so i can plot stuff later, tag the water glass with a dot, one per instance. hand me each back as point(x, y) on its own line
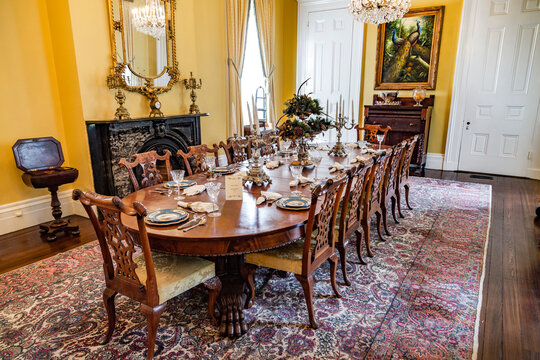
point(296, 171)
point(178, 176)
point(380, 138)
point(213, 189)
point(316, 158)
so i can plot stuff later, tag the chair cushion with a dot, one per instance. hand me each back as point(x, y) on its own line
point(175, 274)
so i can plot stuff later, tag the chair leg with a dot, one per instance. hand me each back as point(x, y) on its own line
point(393, 198)
point(398, 195)
point(152, 319)
point(214, 288)
point(307, 285)
point(358, 234)
point(379, 216)
point(333, 270)
point(343, 259)
point(108, 299)
point(384, 212)
point(248, 273)
point(365, 227)
point(407, 196)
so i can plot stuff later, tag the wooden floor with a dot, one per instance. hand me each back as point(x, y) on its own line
point(510, 318)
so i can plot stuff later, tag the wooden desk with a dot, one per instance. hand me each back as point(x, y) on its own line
point(242, 228)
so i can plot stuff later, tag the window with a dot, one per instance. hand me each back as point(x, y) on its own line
point(253, 82)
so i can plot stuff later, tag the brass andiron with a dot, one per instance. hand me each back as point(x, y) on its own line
point(342, 122)
point(191, 84)
point(256, 173)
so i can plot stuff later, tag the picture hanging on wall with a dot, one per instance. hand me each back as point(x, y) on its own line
point(408, 50)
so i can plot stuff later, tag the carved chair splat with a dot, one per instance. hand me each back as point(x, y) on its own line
point(309, 254)
point(236, 150)
point(351, 214)
point(141, 277)
point(390, 183)
point(150, 173)
point(370, 132)
point(194, 159)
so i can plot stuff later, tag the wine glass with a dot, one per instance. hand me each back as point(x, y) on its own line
point(213, 188)
point(178, 176)
point(316, 158)
point(286, 144)
point(380, 138)
point(296, 171)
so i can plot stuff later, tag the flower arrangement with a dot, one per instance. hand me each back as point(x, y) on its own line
point(303, 117)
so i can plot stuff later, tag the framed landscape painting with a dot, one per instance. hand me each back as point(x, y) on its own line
point(408, 50)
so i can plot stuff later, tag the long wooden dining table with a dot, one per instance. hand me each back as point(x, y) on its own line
point(242, 228)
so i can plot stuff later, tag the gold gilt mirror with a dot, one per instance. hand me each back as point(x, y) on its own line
point(143, 48)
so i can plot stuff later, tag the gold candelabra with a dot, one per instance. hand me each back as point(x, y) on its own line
point(192, 84)
point(342, 122)
point(115, 81)
point(256, 173)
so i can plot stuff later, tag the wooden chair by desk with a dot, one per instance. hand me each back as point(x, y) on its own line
point(194, 159)
point(150, 173)
point(350, 215)
point(149, 278)
point(303, 257)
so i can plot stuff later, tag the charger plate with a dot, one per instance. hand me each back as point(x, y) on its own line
point(166, 217)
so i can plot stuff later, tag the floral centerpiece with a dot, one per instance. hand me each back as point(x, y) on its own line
point(302, 118)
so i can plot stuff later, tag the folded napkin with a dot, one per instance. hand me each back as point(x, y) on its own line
point(198, 206)
point(378, 152)
point(362, 159)
point(242, 173)
point(300, 180)
point(352, 145)
point(336, 167)
point(268, 195)
point(194, 190)
point(323, 147)
point(273, 164)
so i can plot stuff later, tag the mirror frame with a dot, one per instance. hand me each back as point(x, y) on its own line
point(115, 80)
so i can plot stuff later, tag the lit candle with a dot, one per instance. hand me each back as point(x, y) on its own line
point(233, 119)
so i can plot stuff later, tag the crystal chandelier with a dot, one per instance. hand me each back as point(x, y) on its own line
point(150, 19)
point(379, 11)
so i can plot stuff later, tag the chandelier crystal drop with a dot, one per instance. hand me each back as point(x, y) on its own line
point(379, 11)
point(150, 19)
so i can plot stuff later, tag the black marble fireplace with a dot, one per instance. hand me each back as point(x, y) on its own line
point(112, 140)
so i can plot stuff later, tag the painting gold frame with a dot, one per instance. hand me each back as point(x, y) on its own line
point(383, 84)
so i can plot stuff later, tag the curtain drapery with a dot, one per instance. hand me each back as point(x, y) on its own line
point(264, 11)
point(237, 15)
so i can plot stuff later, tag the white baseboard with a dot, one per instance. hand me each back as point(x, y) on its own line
point(533, 173)
point(434, 161)
point(22, 214)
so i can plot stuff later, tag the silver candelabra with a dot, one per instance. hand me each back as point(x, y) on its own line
point(342, 122)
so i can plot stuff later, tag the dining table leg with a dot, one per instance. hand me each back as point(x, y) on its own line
point(233, 296)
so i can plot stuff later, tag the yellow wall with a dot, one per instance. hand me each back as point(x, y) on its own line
point(445, 73)
point(56, 59)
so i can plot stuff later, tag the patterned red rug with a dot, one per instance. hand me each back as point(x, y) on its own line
point(416, 299)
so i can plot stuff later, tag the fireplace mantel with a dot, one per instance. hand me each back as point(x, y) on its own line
point(111, 140)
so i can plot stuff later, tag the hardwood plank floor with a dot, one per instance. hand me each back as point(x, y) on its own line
point(510, 318)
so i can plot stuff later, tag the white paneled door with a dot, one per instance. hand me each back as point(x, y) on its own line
point(330, 55)
point(503, 92)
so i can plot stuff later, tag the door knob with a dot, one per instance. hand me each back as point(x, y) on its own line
point(467, 127)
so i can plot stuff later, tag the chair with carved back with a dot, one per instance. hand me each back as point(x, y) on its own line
point(150, 278)
point(373, 197)
point(150, 174)
point(303, 257)
point(370, 132)
point(390, 183)
point(195, 158)
point(403, 178)
point(350, 214)
point(269, 146)
point(236, 150)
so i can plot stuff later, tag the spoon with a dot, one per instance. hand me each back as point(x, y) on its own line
point(201, 222)
point(195, 219)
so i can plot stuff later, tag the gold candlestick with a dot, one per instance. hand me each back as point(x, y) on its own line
point(256, 173)
point(192, 84)
point(341, 122)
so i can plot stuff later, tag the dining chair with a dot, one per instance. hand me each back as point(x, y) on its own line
point(390, 183)
point(373, 197)
point(149, 174)
point(269, 146)
point(148, 277)
point(236, 150)
point(303, 257)
point(195, 158)
point(370, 132)
point(350, 213)
point(403, 178)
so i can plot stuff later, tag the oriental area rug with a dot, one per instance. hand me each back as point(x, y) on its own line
point(418, 298)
